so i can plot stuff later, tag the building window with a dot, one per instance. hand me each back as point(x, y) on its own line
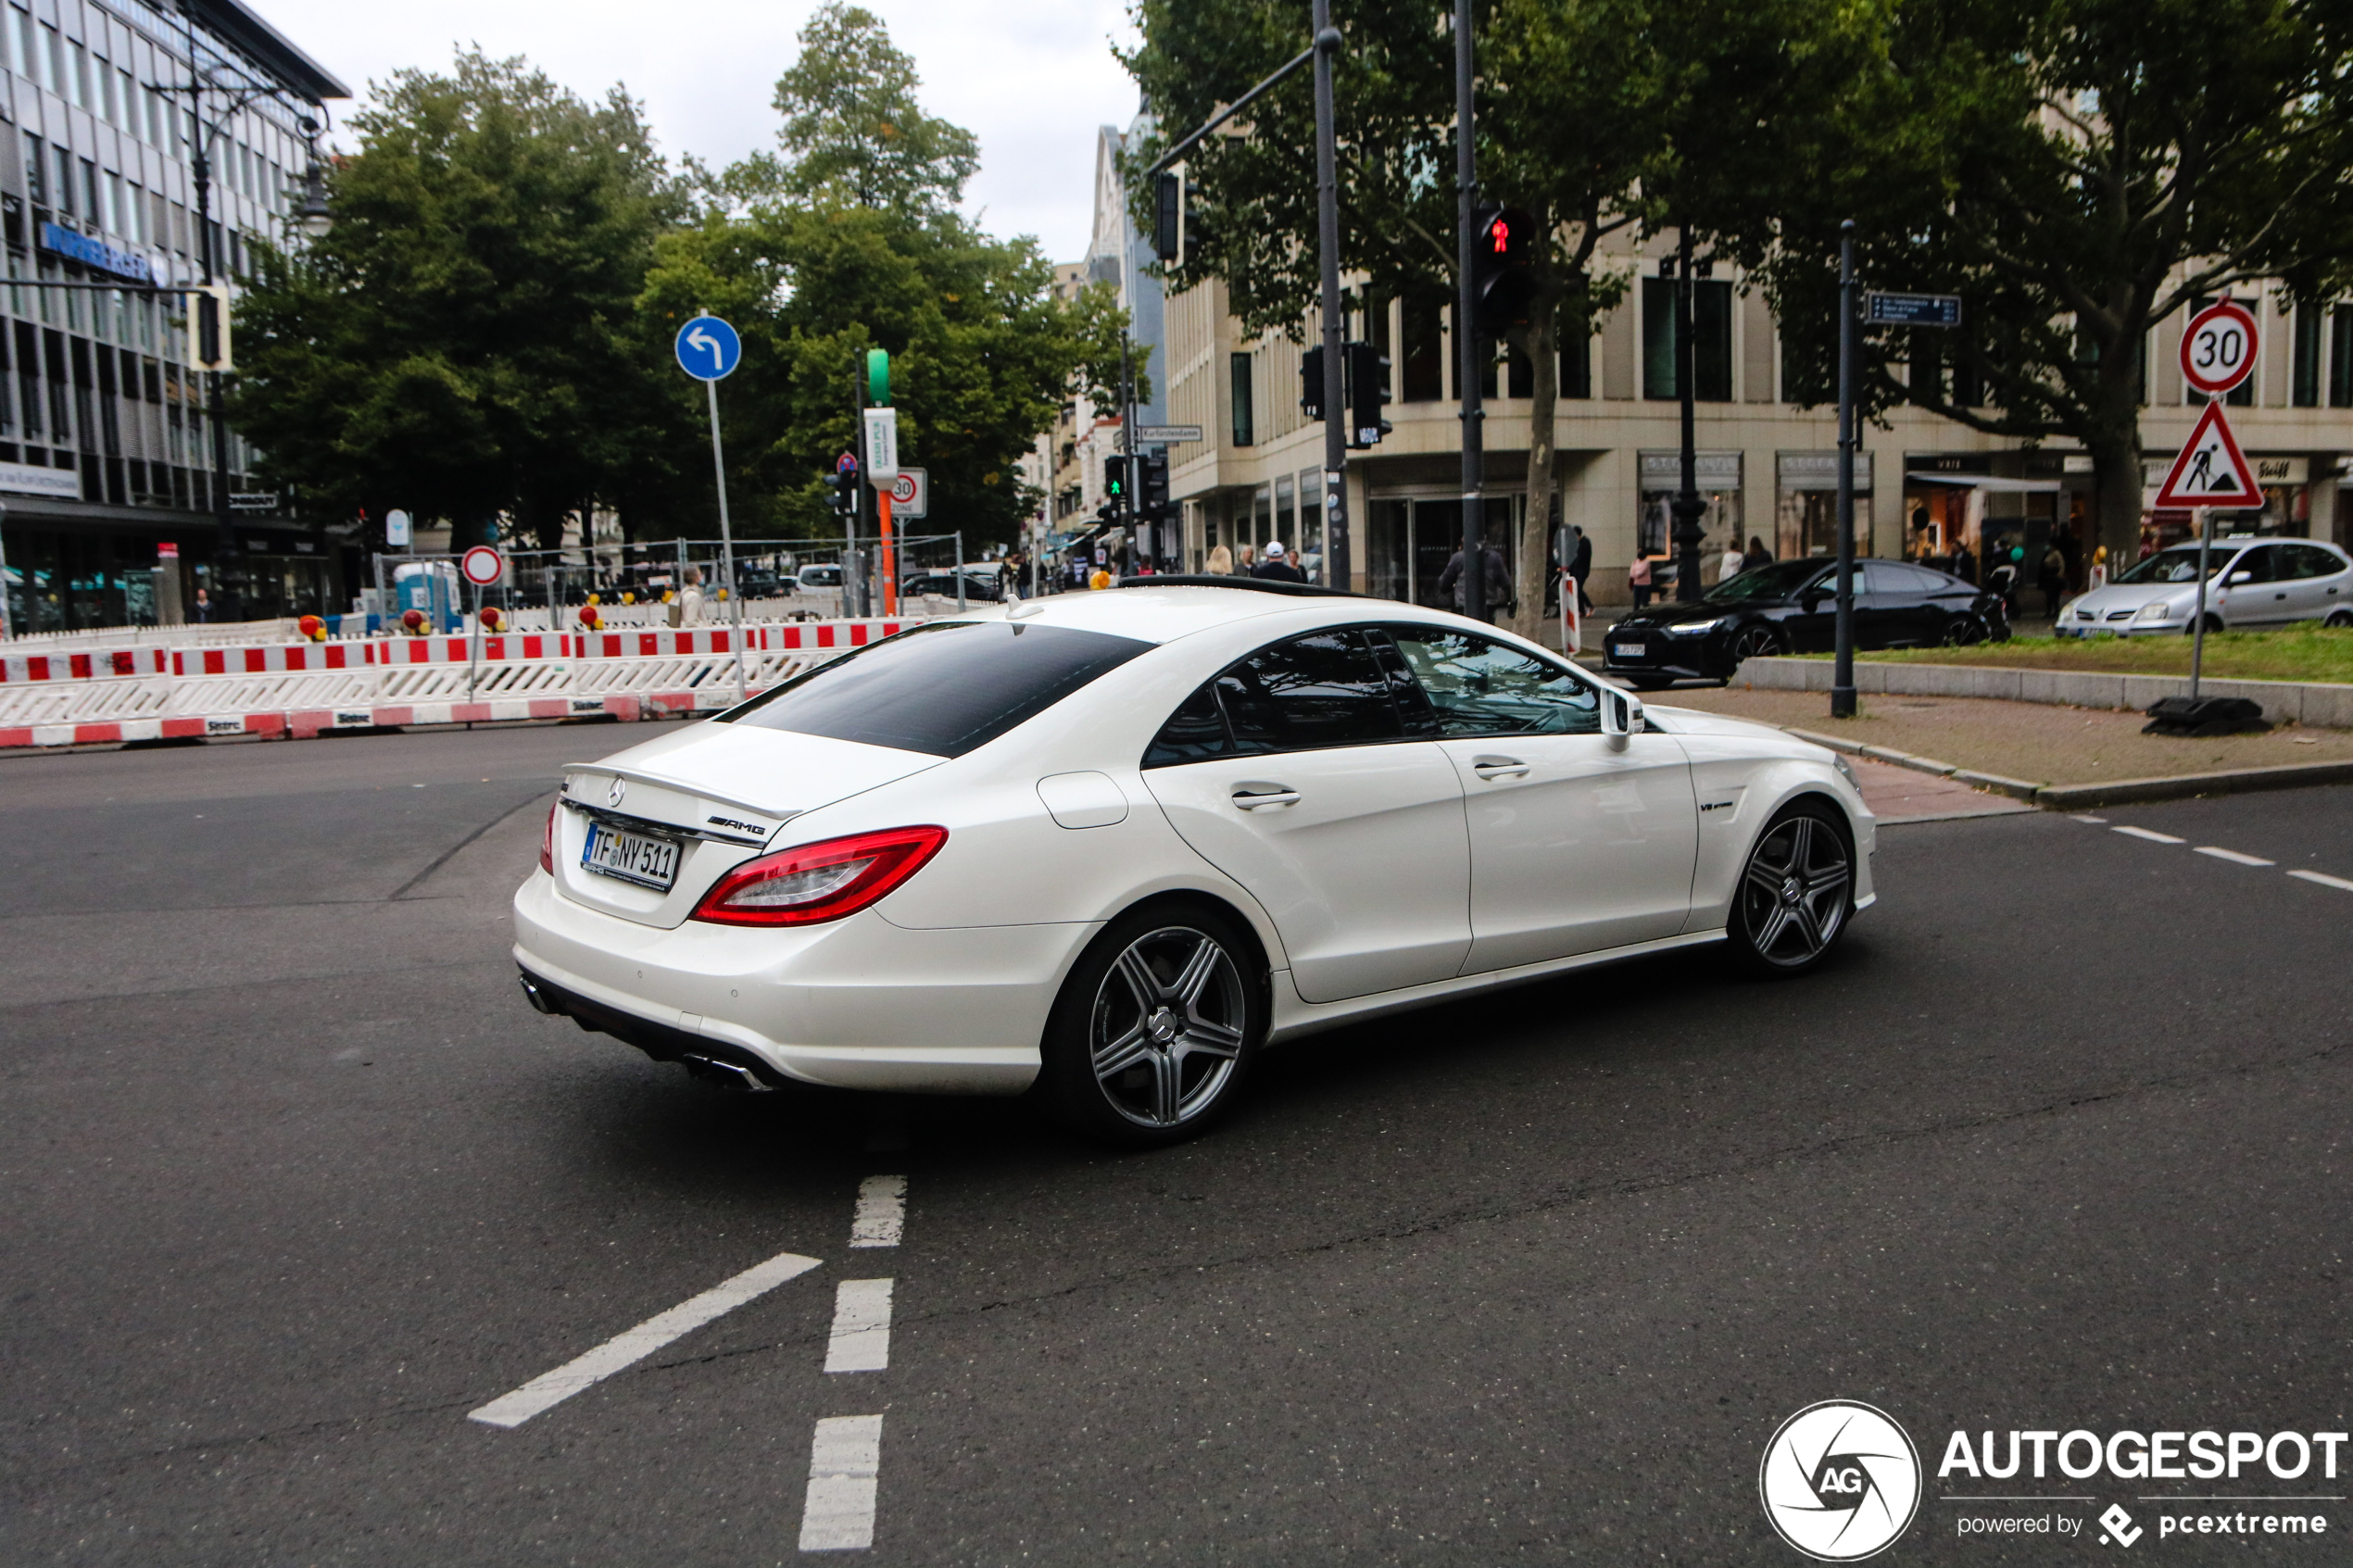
point(1245, 415)
point(2305, 385)
point(2341, 356)
point(1424, 377)
point(1711, 340)
point(1577, 365)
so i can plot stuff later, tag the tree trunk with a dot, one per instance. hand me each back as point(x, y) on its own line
point(2115, 466)
point(1529, 571)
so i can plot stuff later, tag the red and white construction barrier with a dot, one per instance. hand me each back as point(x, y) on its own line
point(98, 664)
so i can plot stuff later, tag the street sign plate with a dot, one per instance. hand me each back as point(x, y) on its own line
point(911, 493)
point(707, 348)
point(253, 500)
point(882, 447)
point(2218, 349)
point(1170, 435)
point(1912, 310)
point(482, 566)
point(396, 527)
point(2212, 471)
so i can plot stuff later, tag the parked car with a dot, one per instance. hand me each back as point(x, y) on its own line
point(982, 587)
point(2251, 582)
point(1122, 841)
point(1792, 607)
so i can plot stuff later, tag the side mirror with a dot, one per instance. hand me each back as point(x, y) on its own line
point(2237, 578)
point(1621, 714)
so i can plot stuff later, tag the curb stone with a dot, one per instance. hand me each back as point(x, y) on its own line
point(2109, 792)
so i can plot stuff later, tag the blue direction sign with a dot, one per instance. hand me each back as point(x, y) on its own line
point(1912, 310)
point(707, 348)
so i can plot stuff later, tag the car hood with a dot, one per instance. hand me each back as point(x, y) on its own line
point(774, 773)
point(1699, 722)
point(1679, 614)
point(2132, 595)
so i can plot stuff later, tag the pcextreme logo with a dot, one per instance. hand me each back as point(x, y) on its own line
point(1841, 1481)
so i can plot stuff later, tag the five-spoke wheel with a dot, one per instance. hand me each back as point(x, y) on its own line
point(1795, 892)
point(1154, 1027)
point(1754, 642)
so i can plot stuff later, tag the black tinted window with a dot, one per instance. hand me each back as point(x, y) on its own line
point(2313, 561)
point(2261, 564)
point(1193, 733)
point(944, 688)
point(1481, 688)
point(1319, 690)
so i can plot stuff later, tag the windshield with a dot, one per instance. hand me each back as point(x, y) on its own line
point(1777, 580)
point(821, 576)
point(944, 688)
point(2176, 565)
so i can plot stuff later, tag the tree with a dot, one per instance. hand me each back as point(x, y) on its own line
point(848, 240)
point(2077, 171)
point(463, 342)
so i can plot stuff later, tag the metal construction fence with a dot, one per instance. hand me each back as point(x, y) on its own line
point(297, 689)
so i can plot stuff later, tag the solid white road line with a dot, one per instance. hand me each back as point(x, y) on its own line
point(844, 1461)
point(2152, 838)
point(2234, 857)
point(882, 1212)
point(552, 1388)
point(2324, 880)
point(861, 1326)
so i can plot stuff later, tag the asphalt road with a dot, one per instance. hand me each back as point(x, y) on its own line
point(294, 1182)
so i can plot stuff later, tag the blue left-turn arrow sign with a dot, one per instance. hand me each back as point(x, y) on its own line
point(707, 348)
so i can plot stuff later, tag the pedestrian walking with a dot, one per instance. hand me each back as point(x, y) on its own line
point(1244, 558)
point(2052, 578)
point(1278, 567)
point(690, 603)
point(1581, 566)
point(1733, 563)
point(203, 611)
point(1499, 588)
point(1220, 562)
point(1638, 577)
point(1757, 556)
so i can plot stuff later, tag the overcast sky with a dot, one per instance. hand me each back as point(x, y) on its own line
point(1032, 79)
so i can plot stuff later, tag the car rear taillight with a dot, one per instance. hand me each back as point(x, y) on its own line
point(819, 882)
point(547, 841)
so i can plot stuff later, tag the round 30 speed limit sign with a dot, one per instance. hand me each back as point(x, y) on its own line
point(2217, 351)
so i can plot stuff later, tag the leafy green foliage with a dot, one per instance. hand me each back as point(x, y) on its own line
point(464, 341)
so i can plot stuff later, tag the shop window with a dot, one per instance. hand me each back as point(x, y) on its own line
point(1424, 370)
point(2341, 356)
point(1711, 340)
point(1245, 415)
point(2304, 389)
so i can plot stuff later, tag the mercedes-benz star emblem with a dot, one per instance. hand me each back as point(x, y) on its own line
point(619, 787)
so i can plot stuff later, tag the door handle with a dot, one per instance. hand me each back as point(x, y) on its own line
point(1250, 800)
point(1499, 767)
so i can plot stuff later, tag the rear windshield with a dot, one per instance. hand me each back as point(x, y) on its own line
point(943, 689)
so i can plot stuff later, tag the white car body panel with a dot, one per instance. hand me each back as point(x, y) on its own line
point(1054, 829)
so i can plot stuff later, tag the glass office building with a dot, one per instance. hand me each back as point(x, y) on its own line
point(106, 446)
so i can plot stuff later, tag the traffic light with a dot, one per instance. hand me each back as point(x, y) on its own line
point(209, 328)
point(1367, 391)
point(1504, 240)
point(1115, 479)
point(844, 480)
point(1152, 484)
point(1311, 382)
point(1168, 216)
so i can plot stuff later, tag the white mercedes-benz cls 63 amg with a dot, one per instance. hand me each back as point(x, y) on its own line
point(1112, 845)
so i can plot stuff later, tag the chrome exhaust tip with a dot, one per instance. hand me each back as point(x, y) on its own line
point(538, 998)
point(727, 1074)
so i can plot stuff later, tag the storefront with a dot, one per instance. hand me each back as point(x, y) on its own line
point(1409, 539)
point(1717, 476)
point(2286, 484)
point(1805, 504)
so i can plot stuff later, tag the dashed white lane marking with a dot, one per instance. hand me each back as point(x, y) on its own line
point(882, 1212)
point(2152, 838)
point(861, 1326)
point(2324, 880)
point(844, 1463)
point(2234, 857)
point(2096, 821)
point(551, 1389)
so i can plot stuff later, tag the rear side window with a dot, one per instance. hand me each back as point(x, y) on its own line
point(944, 689)
point(2313, 561)
point(1307, 694)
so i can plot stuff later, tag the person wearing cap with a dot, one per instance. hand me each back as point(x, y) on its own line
point(1276, 567)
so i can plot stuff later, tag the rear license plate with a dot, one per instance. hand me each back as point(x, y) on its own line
point(1631, 650)
point(632, 857)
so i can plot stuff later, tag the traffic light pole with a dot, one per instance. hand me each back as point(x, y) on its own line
point(1336, 410)
point(1687, 508)
point(1842, 670)
point(1474, 578)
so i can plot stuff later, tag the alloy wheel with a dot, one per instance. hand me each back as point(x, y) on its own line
point(1754, 641)
point(1964, 631)
point(1166, 1027)
point(1795, 893)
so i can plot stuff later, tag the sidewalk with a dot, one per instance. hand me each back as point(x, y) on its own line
point(2019, 740)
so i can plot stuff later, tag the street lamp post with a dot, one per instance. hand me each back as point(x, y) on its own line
point(1687, 508)
point(1335, 498)
point(1474, 578)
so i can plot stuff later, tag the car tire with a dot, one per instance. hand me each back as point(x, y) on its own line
point(1648, 682)
point(1156, 1028)
point(1965, 631)
point(1797, 892)
point(2339, 618)
point(1757, 641)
